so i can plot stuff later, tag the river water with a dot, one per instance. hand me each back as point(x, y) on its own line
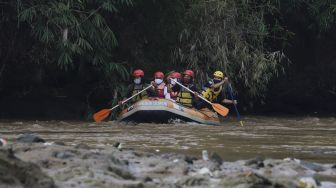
point(308, 138)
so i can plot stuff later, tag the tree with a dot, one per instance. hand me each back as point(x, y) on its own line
point(230, 36)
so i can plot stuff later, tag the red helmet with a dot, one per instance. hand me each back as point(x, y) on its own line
point(159, 74)
point(138, 73)
point(189, 72)
point(175, 75)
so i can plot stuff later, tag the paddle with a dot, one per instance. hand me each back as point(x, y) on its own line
point(102, 114)
point(235, 106)
point(217, 107)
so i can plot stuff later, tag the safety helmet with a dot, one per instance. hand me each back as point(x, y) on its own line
point(219, 74)
point(189, 72)
point(158, 74)
point(175, 75)
point(138, 72)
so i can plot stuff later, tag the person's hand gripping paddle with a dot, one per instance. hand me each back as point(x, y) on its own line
point(217, 107)
point(104, 113)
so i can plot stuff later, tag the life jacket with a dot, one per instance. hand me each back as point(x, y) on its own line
point(136, 89)
point(184, 97)
point(173, 94)
point(212, 93)
point(160, 90)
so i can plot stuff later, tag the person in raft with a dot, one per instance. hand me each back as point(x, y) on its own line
point(175, 76)
point(160, 88)
point(213, 91)
point(137, 85)
point(184, 97)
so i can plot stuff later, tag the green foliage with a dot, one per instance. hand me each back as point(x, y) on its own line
point(96, 43)
point(319, 15)
point(71, 33)
point(70, 29)
point(229, 36)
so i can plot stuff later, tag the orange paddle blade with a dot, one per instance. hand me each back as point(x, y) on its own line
point(101, 115)
point(220, 109)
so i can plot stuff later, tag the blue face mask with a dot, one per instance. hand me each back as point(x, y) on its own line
point(158, 81)
point(137, 80)
point(216, 80)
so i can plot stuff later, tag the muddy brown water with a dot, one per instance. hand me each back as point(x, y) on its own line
point(308, 138)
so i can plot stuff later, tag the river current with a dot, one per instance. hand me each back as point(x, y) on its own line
point(308, 138)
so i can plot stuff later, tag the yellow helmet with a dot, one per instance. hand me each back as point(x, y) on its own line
point(219, 74)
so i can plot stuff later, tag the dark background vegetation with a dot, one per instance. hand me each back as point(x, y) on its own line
point(68, 59)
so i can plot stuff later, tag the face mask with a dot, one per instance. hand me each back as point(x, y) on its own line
point(158, 81)
point(173, 81)
point(215, 80)
point(137, 80)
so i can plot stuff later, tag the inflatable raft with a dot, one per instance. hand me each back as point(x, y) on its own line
point(162, 111)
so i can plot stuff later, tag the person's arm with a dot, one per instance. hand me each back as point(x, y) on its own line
point(197, 92)
point(220, 97)
point(193, 88)
point(166, 93)
point(226, 95)
point(224, 81)
point(218, 84)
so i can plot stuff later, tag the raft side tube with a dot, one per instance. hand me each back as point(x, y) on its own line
point(161, 111)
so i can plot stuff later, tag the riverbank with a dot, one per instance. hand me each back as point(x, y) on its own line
point(55, 164)
point(307, 138)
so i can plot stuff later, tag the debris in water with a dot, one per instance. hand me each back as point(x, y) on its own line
point(292, 159)
point(3, 142)
point(116, 144)
point(120, 146)
point(205, 155)
point(216, 158)
point(48, 143)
